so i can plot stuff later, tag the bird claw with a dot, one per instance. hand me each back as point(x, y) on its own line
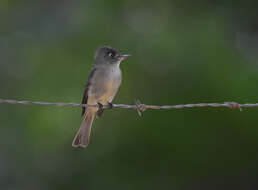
point(110, 105)
point(100, 110)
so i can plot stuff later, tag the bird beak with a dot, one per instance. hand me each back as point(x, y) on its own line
point(125, 56)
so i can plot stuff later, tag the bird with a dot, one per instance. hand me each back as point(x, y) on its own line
point(101, 87)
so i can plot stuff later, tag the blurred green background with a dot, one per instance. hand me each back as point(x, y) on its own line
point(183, 52)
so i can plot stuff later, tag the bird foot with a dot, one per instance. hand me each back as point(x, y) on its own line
point(110, 105)
point(100, 110)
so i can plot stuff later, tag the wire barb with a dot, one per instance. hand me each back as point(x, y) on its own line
point(234, 105)
point(139, 107)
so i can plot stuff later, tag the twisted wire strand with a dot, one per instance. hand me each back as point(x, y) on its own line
point(138, 105)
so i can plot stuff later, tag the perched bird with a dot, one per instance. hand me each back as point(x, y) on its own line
point(101, 88)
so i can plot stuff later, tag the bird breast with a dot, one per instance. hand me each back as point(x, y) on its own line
point(105, 84)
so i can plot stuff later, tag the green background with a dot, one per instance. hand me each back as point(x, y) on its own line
point(183, 52)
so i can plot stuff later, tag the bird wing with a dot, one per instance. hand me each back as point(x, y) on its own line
point(86, 90)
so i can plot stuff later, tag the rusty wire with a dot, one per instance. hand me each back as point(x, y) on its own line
point(138, 105)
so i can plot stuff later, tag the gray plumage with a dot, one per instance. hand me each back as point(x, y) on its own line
point(101, 87)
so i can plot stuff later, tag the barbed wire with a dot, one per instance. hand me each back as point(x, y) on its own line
point(138, 105)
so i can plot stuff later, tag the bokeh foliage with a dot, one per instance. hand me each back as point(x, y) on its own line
point(183, 52)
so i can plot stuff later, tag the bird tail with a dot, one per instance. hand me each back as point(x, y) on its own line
point(82, 137)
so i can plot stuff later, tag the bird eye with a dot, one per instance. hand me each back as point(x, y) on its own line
point(111, 54)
